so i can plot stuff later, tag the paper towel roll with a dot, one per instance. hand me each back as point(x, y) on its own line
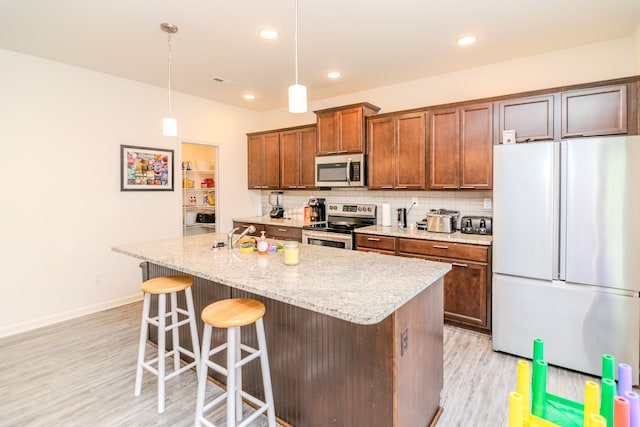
point(386, 215)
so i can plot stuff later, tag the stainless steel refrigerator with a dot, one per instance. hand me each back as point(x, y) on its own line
point(566, 251)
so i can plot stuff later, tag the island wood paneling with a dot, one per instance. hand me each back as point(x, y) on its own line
point(330, 372)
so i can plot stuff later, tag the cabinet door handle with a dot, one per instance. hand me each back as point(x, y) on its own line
point(386, 188)
point(440, 247)
point(284, 230)
point(456, 264)
point(401, 188)
point(467, 188)
point(373, 239)
point(342, 151)
point(450, 188)
point(245, 226)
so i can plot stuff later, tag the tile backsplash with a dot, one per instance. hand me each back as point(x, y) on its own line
point(467, 202)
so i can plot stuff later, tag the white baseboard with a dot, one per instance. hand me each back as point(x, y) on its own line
point(72, 314)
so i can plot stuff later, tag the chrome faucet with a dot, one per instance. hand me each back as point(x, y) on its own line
point(232, 241)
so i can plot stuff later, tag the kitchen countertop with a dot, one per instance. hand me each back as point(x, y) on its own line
point(358, 287)
point(457, 237)
point(296, 221)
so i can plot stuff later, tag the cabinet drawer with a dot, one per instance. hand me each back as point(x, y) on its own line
point(284, 233)
point(444, 249)
point(376, 242)
point(243, 225)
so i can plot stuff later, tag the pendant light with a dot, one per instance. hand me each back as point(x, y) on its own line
point(297, 92)
point(169, 124)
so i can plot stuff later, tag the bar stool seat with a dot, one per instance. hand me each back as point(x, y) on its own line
point(163, 286)
point(232, 314)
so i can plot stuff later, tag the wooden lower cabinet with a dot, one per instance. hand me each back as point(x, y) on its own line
point(243, 225)
point(272, 231)
point(467, 287)
point(374, 243)
point(284, 233)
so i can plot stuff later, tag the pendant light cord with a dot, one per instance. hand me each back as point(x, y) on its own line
point(295, 37)
point(169, 67)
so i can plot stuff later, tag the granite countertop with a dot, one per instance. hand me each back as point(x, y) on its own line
point(457, 237)
point(358, 287)
point(295, 221)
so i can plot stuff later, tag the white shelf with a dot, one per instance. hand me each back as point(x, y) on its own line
point(200, 189)
point(211, 225)
point(200, 207)
point(209, 171)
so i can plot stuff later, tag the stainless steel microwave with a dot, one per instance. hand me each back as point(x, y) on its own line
point(344, 170)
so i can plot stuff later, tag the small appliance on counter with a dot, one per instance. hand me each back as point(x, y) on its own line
point(439, 221)
point(277, 208)
point(402, 218)
point(318, 209)
point(476, 225)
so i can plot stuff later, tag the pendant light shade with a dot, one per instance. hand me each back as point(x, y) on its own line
point(297, 99)
point(169, 124)
point(297, 92)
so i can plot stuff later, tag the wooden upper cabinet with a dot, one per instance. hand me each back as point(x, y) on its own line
point(342, 130)
point(397, 152)
point(308, 138)
point(476, 147)
point(461, 148)
point(532, 118)
point(595, 111)
point(381, 161)
point(297, 158)
point(410, 151)
point(262, 155)
point(444, 149)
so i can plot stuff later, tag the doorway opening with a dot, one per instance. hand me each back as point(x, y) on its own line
point(199, 183)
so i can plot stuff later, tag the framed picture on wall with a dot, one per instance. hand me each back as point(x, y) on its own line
point(145, 169)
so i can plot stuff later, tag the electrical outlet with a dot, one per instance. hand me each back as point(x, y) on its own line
point(414, 201)
point(404, 342)
point(487, 203)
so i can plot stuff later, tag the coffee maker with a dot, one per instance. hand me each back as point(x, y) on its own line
point(275, 200)
point(318, 209)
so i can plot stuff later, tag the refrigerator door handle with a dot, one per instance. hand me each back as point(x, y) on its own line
point(560, 254)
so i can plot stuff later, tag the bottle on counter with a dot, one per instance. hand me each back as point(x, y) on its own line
point(263, 245)
point(291, 253)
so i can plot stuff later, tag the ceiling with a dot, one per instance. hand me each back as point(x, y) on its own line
point(372, 43)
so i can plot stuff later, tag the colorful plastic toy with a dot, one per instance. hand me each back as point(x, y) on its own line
point(532, 406)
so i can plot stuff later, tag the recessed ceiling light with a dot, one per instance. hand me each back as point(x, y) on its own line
point(249, 96)
point(465, 41)
point(269, 33)
point(333, 75)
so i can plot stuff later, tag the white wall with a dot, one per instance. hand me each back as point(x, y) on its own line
point(636, 49)
point(61, 206)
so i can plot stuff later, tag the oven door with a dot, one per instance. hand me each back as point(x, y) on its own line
point(323, 238)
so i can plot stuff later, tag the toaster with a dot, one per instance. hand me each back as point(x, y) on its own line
point(476, 225)
point(442, 220)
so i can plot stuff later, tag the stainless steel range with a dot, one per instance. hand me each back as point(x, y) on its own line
point(337, 230)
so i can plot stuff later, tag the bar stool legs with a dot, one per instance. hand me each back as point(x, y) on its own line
point(162, 286)
point(231, 314)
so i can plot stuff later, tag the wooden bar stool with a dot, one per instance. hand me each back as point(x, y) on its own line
point(232, 314)
point(162, 286)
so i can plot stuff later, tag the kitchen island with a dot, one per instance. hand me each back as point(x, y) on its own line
point(355, 339)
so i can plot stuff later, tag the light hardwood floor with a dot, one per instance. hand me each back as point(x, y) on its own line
point(82, 373)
